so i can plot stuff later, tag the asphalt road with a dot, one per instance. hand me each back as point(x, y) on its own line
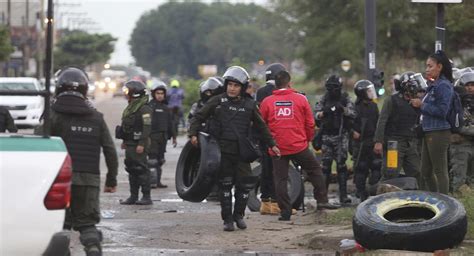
point(173, 227)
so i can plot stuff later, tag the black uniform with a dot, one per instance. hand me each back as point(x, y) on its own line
point(225, 113)
point(161, 130)
point(6, 121)
point(85, 133)
point(266, 181)
point(365, 159)
point(396, 123)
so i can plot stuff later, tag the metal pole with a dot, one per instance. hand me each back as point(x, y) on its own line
point(440, 28)
point(47, 68)
point(370, 39)
point(9, 11)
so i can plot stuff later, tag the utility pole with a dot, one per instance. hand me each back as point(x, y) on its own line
point(9, 13)
point(370, 39)
point(440, 28)
point(47, 64)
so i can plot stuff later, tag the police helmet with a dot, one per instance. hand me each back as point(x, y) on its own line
point(334, 82)
point(236, 74)
point(134, 89)
point(158, 85)
point(272, 70)
point(410, 83)
point(365, 89)
point(212, 86)
point(72, 79)
point(465, 79)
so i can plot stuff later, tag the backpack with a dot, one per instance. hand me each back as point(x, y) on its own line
point(455, 113)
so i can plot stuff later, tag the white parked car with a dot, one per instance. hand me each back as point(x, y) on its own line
point(25, 110)
point(34, 192)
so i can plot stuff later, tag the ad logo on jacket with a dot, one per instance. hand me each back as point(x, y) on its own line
point(283, 110)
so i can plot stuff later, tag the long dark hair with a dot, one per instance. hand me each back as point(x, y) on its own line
point(440, 57)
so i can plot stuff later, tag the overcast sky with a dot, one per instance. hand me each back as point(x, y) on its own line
point(117, 17)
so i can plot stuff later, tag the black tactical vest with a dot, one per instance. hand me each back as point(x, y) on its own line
point(82, 138)
point(237, 114)
point(3, 123)
point(332, 122)
point(132, 124)
point(402, 119)
point(160, 117)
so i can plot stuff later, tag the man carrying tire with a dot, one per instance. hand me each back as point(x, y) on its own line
point(231, 116)
point(290, 119)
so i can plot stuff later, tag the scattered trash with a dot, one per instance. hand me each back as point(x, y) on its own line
point(349, 246)
point(107, 214)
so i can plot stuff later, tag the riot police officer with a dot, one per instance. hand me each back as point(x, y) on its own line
point(161, 130)
point(334, 115)
point(396, 123)
point(269, 203)
point(461, 150)
point(207, 89)
point(365, 123)
point(85, 132)
point(231, 116)
point(135, 133)
point(6, 121)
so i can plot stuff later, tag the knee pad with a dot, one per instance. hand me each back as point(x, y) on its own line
point(90, 236)
point(152, 163)
point(226, 183)
point(246, 183)
point(377, 164)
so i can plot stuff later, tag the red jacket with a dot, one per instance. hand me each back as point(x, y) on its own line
point(290, 120)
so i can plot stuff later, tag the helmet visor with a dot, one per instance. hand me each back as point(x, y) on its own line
point(371, 93)
point(418, 77)
point(237, 74)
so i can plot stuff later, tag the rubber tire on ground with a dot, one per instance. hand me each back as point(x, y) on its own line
point(445, 229)
point(196, 172)
point(295, 189)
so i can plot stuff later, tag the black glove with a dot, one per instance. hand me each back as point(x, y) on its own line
point(339, 107)
point(327, 110)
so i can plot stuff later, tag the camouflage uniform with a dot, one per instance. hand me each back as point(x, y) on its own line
point(461, 152)
point(335, 124)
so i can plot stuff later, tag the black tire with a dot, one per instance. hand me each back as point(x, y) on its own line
point(410, 220)
point(196, 172)
point(295, 189)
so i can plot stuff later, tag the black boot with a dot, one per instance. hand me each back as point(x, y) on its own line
point(241, 199)
point(342, 180)
point(91, 238)
point(134, 187)
point(225, 195)
point(159, 171)
point(146, 189)
point(243, 187)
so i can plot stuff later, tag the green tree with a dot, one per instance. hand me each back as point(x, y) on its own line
point(79, 48)
point(333, 30)
point(177, 37)
point(5, 46)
